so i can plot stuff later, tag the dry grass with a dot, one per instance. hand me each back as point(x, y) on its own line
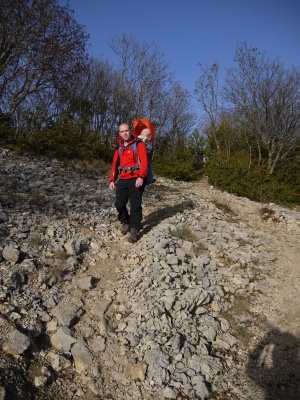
point(267, 214)
point(224, 206)
point(36, 241)
point(37, 199)
point(240, 307)
point(184, 232)
point(199, 248)
point(61, 255)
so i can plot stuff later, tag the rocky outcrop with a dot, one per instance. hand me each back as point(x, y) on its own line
point(86, 315)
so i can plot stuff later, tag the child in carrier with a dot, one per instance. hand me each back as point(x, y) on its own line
point(145, 136)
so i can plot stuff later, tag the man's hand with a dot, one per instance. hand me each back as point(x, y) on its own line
point(111, 185)
point(139, 182)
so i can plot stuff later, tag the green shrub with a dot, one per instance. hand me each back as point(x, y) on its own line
point(179, 165)
point(62, 142)
point(256, 183)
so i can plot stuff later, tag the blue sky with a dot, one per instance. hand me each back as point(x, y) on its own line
point(189, 32)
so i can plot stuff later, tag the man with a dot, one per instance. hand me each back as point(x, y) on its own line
point(130, 164)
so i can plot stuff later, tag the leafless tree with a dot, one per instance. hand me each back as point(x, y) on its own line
point(207, 93)
point(177, 117)
point(41, 46)
point(266, 96)
point(142, 67)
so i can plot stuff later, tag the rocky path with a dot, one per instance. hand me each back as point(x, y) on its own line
point(205, 305)
point(272, 355)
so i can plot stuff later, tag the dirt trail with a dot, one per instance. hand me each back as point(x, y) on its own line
point(271, 365)
point(283, 301)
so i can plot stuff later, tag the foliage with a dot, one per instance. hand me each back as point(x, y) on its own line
point(61, 141)
point(178, 164)
point(266, 98)
point(196, 145)
point(6, 128)
point(143, 76)
point(252, 125)
point(207, 94)
point(235, 176)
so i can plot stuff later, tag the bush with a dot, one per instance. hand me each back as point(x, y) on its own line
point(6, 129)
point(234, 176)
point(180, 165)
point(63, 143)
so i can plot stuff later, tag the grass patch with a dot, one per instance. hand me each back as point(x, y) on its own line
point(79, 193)
point(198, 248)
point(61, 255)
point(184, 232)
point(36, 241)
point(161, 188)
point(239, 307)
point(267, 214)
point(37, 199)
point(55, 274)
point(221, 205)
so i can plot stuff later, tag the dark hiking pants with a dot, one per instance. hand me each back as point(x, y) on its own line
point(126, 190)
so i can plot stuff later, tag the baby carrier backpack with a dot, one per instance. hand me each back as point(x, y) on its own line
point(138, 126)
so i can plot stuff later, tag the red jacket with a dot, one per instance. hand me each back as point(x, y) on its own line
point(128, 158)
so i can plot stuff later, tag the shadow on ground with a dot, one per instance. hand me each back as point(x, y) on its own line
point(156, 217)
point(275, 366)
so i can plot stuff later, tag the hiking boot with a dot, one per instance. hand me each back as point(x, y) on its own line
point(125, 229)
point(133, 235)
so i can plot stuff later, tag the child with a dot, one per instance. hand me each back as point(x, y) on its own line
point(145, 137)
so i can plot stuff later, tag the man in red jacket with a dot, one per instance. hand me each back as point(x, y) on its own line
point(130, 165)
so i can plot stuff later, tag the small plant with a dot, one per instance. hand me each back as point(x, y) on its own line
point(244, 242)
point(184, 232)
point(243, 334)
point(161, 188)
point(198, 248)
point(79, 193)
point(37, 199)
point(99, 199)
point(188, 234)
point(267, 214)
point(55, 274)
point(223, 207)
point(239, 307)
point(61, 255)
point(36, 241)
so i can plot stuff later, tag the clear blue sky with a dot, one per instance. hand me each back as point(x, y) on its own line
point(189, 32)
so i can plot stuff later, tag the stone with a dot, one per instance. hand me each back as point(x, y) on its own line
point(136, 371)
point(63, 339)
point(11, 253)
point(82, 357)
point(18, 343)
point(67, 313)
point(98, 344)
point(169, 393)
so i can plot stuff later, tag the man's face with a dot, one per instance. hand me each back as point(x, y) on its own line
point(124, 132)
